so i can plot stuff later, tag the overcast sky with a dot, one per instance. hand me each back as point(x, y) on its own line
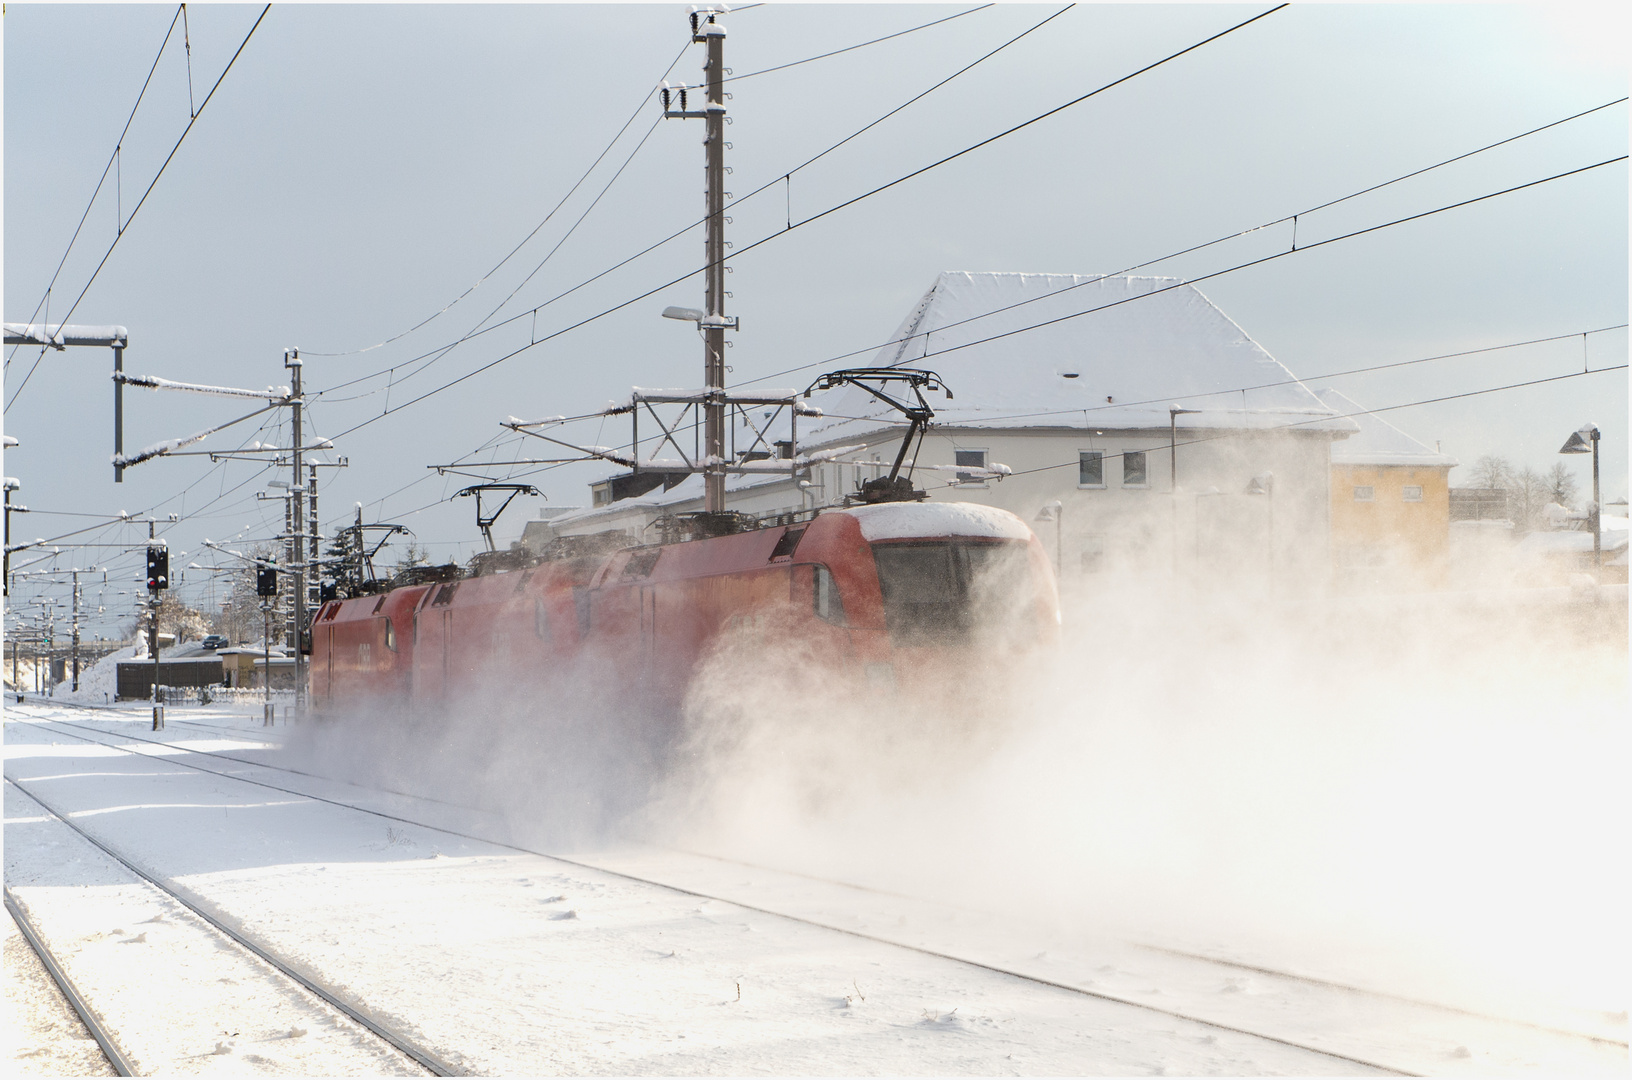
point(358, 168)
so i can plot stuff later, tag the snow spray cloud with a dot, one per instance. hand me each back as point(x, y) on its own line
point(561, 757)
point(1419, 793)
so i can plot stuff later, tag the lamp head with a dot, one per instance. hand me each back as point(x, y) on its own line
point(1580, 442)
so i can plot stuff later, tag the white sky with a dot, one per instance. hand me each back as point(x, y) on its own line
point(361, 166)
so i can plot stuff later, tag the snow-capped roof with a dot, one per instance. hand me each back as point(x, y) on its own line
point(1069, 350)
point(660, 501)
point(1378, 441)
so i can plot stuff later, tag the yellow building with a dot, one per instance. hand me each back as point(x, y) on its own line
point(1391, 505)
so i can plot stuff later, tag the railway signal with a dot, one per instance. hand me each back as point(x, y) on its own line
point(158, 568)
point(266, 581)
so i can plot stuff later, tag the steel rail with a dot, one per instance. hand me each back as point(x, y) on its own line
point(1215, 960)
point(87, 1016)
point(921, 950)
point(225, 924)
point(1147, 946)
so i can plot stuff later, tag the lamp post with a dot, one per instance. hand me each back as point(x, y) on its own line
point(1585, 441)
point(1173, 414)
point(1264, 484)
point(1054, 511)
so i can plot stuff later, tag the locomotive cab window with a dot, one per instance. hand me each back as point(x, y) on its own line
point(938, 593)
point(541, 620)
point(390, 636)
point(825, 597)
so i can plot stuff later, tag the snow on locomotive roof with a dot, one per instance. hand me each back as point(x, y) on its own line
point(895, 521)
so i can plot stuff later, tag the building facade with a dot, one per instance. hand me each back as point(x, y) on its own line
point(1391, 505)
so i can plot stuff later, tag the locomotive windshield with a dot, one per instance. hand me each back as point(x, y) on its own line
point(943, 592)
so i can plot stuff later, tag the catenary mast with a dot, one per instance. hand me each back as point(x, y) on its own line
point(707, 31)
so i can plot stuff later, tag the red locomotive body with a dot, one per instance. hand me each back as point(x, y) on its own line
point(894, 594)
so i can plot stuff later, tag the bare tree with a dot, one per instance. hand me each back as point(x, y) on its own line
point(1491, 471)
point(1561, 485)
point(1528, 493)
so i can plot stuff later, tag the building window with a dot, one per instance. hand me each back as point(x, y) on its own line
point(1411, 493)
point(1364, 494)
point(1093, 554)
point(975, 459)
point(1091, 468)
point(1133, 468)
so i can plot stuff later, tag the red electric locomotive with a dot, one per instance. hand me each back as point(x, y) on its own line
point(899, 594)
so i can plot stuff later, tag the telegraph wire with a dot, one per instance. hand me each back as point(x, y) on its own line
point(738, 202)
point(852, 48)
point(140, 202)
point(815, 217)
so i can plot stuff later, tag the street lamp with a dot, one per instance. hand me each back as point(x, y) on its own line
point(1585, 441)
point(1264, 484)
point(1054, 511)
point(1173, 414)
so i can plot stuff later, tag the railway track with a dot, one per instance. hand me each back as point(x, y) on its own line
point(100, 736)
point(223, 924)
point(87, 1015)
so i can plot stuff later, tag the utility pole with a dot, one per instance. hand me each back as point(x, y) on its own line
point(153, 631)
point(705, 30)
point(297, 479)
point(75, 654)
point(11, 484)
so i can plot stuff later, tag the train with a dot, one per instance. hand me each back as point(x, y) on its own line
point(896, 598)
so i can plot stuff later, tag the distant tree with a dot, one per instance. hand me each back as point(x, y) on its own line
point(1491, 471)
point(1561, 485)
point(412, 555)
point(1528, 493)
point(186, 623)
point(240, 618)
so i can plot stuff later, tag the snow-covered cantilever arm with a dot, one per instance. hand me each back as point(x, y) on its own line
point(158, 449)
point(153, 382)
point(58, 336)
point(994, 470)
point(515, 423)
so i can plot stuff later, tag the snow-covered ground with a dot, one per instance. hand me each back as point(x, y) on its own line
point(627, 959)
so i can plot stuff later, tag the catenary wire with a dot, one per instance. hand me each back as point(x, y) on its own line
point(140, 202)
point(738, 202)
point(497, 266)
point(1163, 444)
point(1241, 266)
point(118, 145)
point(1181, 252)
point(862, 45)
point(816, 217)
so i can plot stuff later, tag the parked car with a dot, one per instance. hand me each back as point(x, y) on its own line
point(214, 641)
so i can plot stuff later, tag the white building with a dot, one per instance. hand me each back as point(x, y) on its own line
point(1133, 402)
